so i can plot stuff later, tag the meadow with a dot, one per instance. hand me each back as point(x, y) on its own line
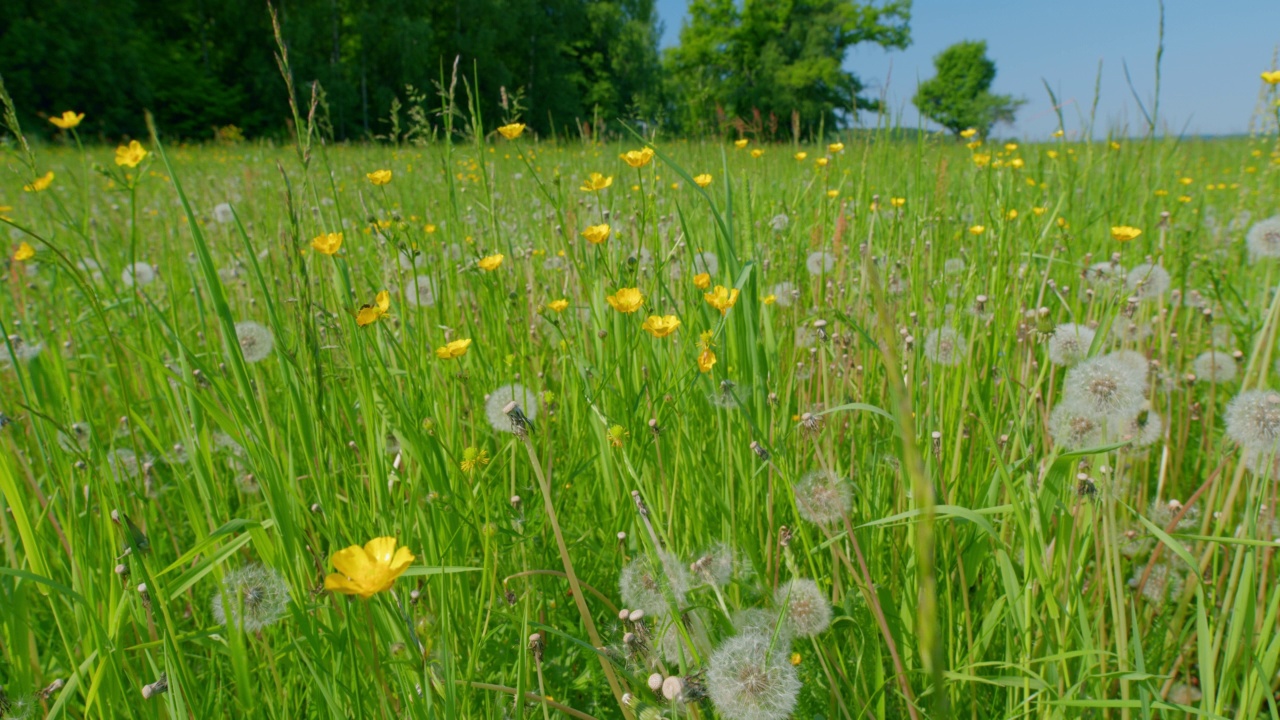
point(512, 427)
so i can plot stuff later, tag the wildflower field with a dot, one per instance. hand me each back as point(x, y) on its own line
point(504, 426)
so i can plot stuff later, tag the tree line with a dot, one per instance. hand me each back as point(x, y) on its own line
point(771, 69)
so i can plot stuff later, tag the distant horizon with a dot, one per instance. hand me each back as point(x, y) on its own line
point(1210, 84)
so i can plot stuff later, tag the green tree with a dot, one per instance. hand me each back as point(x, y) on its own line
point(766, 60)
point(959, 95)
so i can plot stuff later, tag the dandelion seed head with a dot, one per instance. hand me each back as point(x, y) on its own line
point(256, 340)
point(706, 262)
point(747, 682)
point(222, 213)
point(945, 346)
point(1163, 583)
point(822, 497)
point(495, 406)
point(953, 266)
point(785, 292)
point(1070, 343)
point(1104, 273)
point(716, 566)
point(141, 274)
point(1074, 427)
point(807, 609)
point(1253, 418)
point(1215, 367)
point(641, 584)
point(820, 262)
point(758, 621)
point(1109, 386)
point(1148, 281)
point(779, 222)
point(260, 592)
point(421, 291)
point(1263, 239)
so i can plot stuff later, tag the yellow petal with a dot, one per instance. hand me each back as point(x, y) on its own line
point(381, 549)
point(402, 560)
point(338, 583)
point(383, 300)
point(354, 562)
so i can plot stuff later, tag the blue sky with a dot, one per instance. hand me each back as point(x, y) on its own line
point(1214, 51)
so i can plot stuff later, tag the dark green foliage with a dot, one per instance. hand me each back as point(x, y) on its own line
point(959, 95)
point(757, 62)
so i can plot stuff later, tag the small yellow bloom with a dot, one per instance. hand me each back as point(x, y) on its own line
point(977, 229)
point(490, 263)
point(1010, 147)
point(973, 145)
point(558, 305)
point(429, 228)
point(626, 300)
point(1017, 163)
point(67, 120)
point(368, 570)
point(981, 159)
point(702, 281)
point(821, 162)
point(757, 153)
point(660, 326)
point(833, 193)
point(1062, 223)
point(795, 658)
point(130, 155)
point(1038, 211)
point(327, 244)
point(379, 177)
point(638, 158)
point(1053, 154)
point(596, 182)
point(1115, 145)
point(801, 155)
point(706, 360)
point(834, 148)
point(512, 131)
point(740, 143)
point(370, 314)
point(24, 252)
point(40, 184)
point(968, 133)
point(1124, 233)
point(1011, 215)
point(454, 349)
point(596, 234)
point(1271, 77)
point(702, 180)
point(1184, 198)
point(721, 298)
point(1185, 180)
point(1058, 133)
point(898, 201)
point(473, 458)
point(769, 299)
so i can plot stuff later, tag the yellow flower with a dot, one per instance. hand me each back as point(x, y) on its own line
point(1124, 233)
point(1058, 133)
point(327, 244)
point(1053, 154)
point(977, 229)
point(1038, 211)
point(740, 143)
point(1062, 223)
point(660, 326)
point(721, 298)
point(40, 184)
point(1271, 77)
point(801, 155)
point(834, 148)
point(368, 570)
point(833, 194)
point(473, 458)
point(130, 155)
point(370, 314)
point(1011, 215)
point(968, 133)
point(702, 280)
point(1184, 198)
point(757, 153)
point(638, 158)
point(25, 252)
point(379, 177)
point(1016, 162)
point(795, 658)
point(1115, 145)
point(626, 300)
point(558, 305)
point(898, 201)
point(702, 180)
point(429, 228)
point(981, 159)
point(596, 234)
point(454, 349)
point(769, 299)
point(595, 182)
point(973, 145)
point(706, 360)
point(1010, 147)
point(511, 131)
point(1185, 180)
point(68, 120)
point(490, 263)
point(821, 162)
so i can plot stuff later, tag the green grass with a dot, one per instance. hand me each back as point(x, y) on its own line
point(1004, 590)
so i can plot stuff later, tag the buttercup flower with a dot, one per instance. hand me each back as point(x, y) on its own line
point(722, 298)
point(511, 131)
point(454, 349)
point(757, 153)
point(702, 281)
point(490, 263)
point(369, 314)
point(327, 244)
point(801, 155)
point(741, 143)
point(702, 180)
point(968, 133)
point(40, 184)
point(626, 300)
point(379, 177)
point(1124, 233)
point(130, 155)
point(24, 252)
point(977, 229)
point(558, 305)
point(596, 234)
point(596, 182)
point(368, 570)
point(706, 360)
point(834, 148)
point(637, 158)
point(661, 326)
point(69, 119)
point(1271, 77)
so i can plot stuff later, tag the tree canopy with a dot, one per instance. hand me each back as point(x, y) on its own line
point(959, 97)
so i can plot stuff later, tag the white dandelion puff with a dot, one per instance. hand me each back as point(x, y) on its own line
point(807, 609)
point(822, 497)
point(706, 262)
point(1109, 386)
point(746, 681)
point(222, 213)
point(421, 291)
point(779, 222)
point(256, 340)
point(1253, 418)
point(1148, 281)
point(953, 266)
point(784, 293)
point(1070, 343)
point(250, 598)
point(1215, 367)
point(141, 274)
point(495, 406)
point(1264, 238)
point(758, 621)
point(945, 346)
point(820, 262)
point(1074, 427)
point(643, 587)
